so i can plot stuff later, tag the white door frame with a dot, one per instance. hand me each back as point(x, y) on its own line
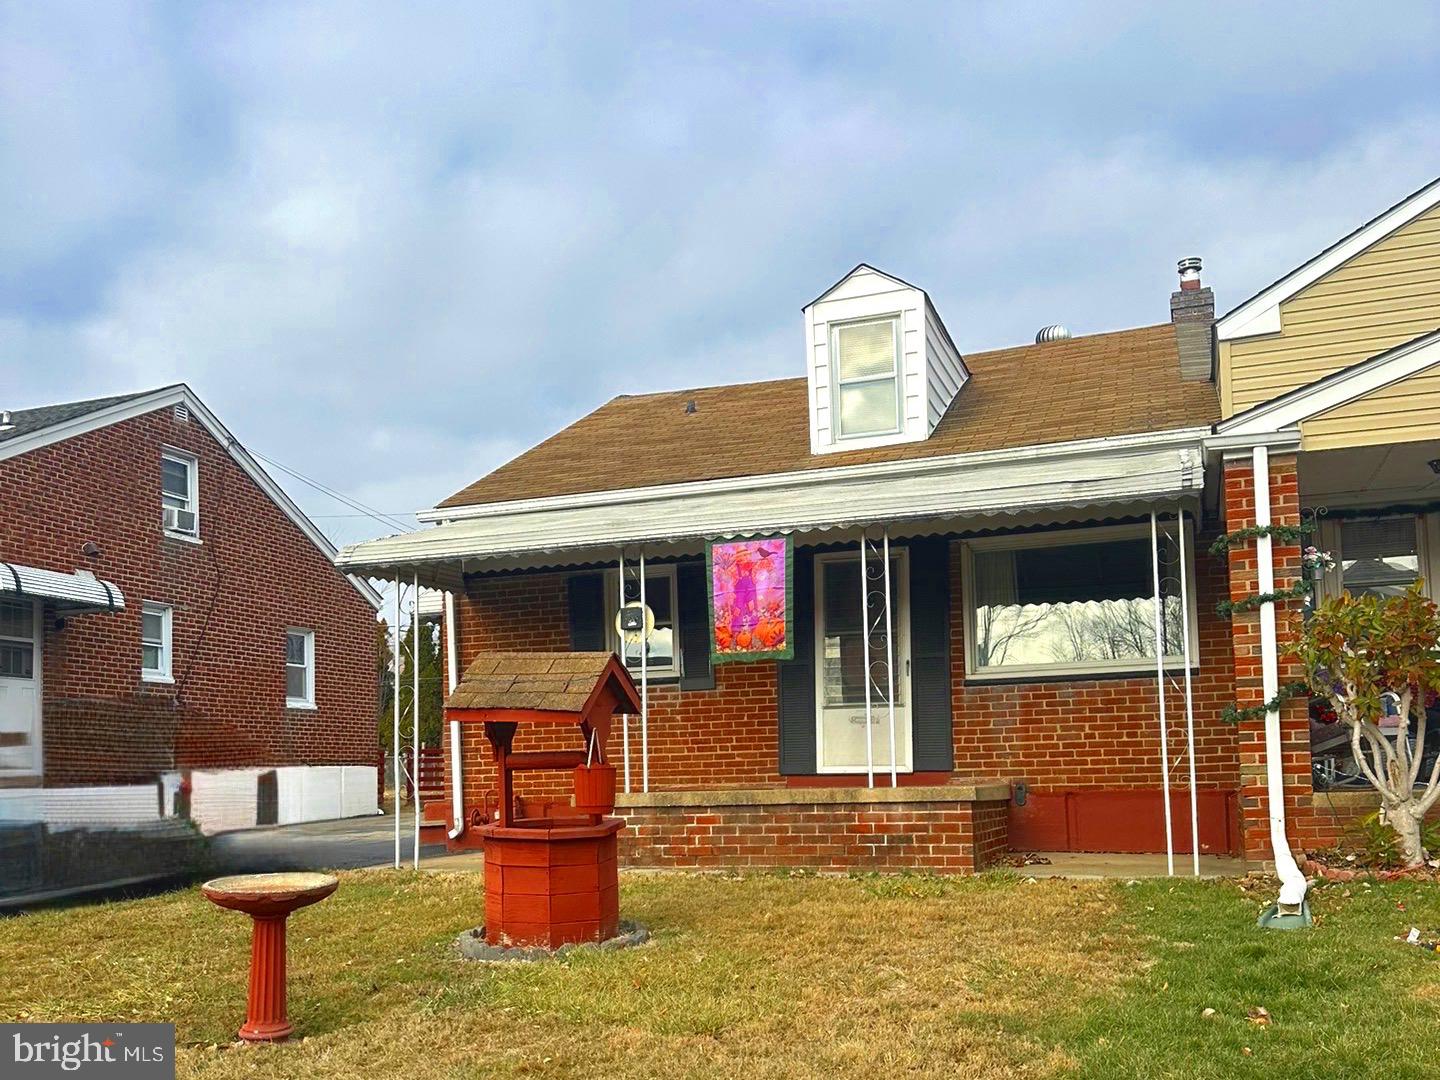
point(904, 713)
point(37, 631)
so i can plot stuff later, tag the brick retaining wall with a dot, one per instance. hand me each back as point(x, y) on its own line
point(955, 830)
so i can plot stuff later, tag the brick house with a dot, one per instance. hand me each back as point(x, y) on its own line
point(1048, 513)
point(173, 629)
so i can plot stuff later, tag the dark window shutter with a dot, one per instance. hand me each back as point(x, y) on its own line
point(797, 676)
point(587, 613)
point(694, 600)
point(932, 727)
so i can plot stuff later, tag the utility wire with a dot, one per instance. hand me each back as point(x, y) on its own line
point(365, 511)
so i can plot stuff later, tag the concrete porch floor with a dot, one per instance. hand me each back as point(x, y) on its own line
point(1095, 865)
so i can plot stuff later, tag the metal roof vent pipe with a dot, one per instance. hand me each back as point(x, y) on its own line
point(1053, 332)
point(6, 420)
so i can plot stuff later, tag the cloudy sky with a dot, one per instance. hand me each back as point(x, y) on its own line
point(393, 245)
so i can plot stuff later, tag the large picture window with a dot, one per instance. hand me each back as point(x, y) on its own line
point(1073, 602)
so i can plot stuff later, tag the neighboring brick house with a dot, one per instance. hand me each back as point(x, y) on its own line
point(173, 629)
point(1035, 501)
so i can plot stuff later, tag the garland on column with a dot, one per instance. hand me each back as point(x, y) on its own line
point(1232, 713)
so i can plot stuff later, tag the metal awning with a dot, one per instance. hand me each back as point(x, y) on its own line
point(1145, 469)
point(70, 593)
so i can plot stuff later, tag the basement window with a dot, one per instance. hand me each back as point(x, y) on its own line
point(1073, 602)
point(867, 376)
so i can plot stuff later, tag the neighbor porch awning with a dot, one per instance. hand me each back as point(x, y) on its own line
point(1145, 469)
point(73, 593)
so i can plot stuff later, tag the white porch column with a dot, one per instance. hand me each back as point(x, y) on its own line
point(1189, 692)
point(624, 717)
point(452, 673)
point(1160, 691)
point(395, 741)
point(1292, 881)
point(415, 718)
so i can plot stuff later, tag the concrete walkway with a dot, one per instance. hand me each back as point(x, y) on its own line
point(1079, 864)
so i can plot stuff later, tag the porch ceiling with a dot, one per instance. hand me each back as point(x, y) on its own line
point(1156, 468)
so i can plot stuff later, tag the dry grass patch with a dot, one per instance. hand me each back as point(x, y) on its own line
point(764, 976)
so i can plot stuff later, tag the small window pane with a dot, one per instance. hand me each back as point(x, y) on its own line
point(16, 620)
point(295, 684)
point(866, 350)
point(1379, 557)
point(867, 408)
point(175, 479)
point(295, 648)
point(660, 598)
point(150, 657)
point(152, 626)
point(17, 661)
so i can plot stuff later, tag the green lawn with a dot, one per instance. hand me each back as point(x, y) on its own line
point(769, 976)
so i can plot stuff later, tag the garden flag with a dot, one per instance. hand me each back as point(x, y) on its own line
point(750, 615)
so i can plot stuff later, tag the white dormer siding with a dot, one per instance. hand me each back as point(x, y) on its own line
point(928, 371)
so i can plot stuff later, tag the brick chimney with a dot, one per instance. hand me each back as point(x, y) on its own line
point(1192, 310)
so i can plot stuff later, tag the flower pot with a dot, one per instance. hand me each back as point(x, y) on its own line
point(595, 788)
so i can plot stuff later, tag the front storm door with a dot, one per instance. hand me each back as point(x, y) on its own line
point(840, 672)
point(19, 688)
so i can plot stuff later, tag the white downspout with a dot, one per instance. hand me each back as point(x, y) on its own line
point(1292, 881)
point(457, 768)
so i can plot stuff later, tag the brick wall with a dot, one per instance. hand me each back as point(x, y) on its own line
point(234, 595)
point(1088, 739)
point(947, 837)
point(1307, 829)
point(1095, 733)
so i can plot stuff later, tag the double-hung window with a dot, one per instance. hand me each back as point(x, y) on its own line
point(300, 669)
point(867, 376)
point(662, 656)
point(156, 654)
point(180, 494)
point(1074, 602)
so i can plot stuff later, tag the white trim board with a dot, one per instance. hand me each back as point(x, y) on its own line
point(1287, 411)
point(1160, 466)
point(179, 394)
point(1261, 313)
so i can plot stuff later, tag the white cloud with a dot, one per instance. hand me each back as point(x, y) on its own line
point(394, 247)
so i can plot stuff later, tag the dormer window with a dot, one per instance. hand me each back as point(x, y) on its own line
point(867, 396)
point(880, 366)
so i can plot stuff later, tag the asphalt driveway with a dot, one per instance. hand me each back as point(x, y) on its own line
point(345, 844)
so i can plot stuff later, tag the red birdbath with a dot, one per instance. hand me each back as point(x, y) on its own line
point(268, 899)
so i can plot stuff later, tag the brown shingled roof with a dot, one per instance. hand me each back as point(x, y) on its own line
point(1119, 383)
point(555, 682)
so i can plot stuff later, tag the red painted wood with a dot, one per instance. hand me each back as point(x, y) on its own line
point(551, 886)
point(1122, 821)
